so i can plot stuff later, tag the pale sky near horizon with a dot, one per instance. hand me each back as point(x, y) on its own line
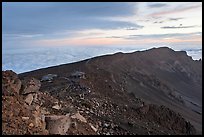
point(139, 24)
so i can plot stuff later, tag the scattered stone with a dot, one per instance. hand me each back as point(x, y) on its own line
point(35, 98)
point(44, 111)
point(29, 99)
point(99, 123)
point(43, 117)
point(106, 125)
point(148, 133)
point(91, 111)
point(79, 117)
point(57, 107)
point(31, 125)
point(94, 129)
point(97, 104)
point(107, 133)
point(25, 118)
point(37, 107)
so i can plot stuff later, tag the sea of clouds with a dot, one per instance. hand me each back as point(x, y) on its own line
point(24, 60)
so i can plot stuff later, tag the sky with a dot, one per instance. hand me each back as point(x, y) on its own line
point(140, 24)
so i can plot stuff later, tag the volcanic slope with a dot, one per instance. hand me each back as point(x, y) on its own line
point(158, 77)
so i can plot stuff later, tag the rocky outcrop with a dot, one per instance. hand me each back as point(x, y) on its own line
point(11, 85)
point(30, 85)
point(17, 109)
point(167, 118)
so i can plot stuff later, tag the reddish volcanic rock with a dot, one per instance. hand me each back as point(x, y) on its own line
point(10, 83)
point(30, 85)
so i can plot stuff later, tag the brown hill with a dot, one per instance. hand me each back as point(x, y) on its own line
point(158, 91)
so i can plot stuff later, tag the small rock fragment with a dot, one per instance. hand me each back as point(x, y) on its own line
point(35, 98)
point(37, 107)
point(94, 129)
point(31, 125)
point(79, 117)
point(57, 107)
point(106, 125)
point(107, 133)
point(25, 118)
point(29, 99)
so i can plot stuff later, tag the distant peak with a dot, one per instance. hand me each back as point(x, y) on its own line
point(160, 49)
point(163, 48)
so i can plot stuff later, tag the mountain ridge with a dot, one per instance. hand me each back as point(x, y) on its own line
point(157, 77)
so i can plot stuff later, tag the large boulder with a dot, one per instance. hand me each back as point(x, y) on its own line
point(11, 84)
point(57, 124)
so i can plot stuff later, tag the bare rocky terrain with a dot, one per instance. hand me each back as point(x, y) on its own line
point(152, 92)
